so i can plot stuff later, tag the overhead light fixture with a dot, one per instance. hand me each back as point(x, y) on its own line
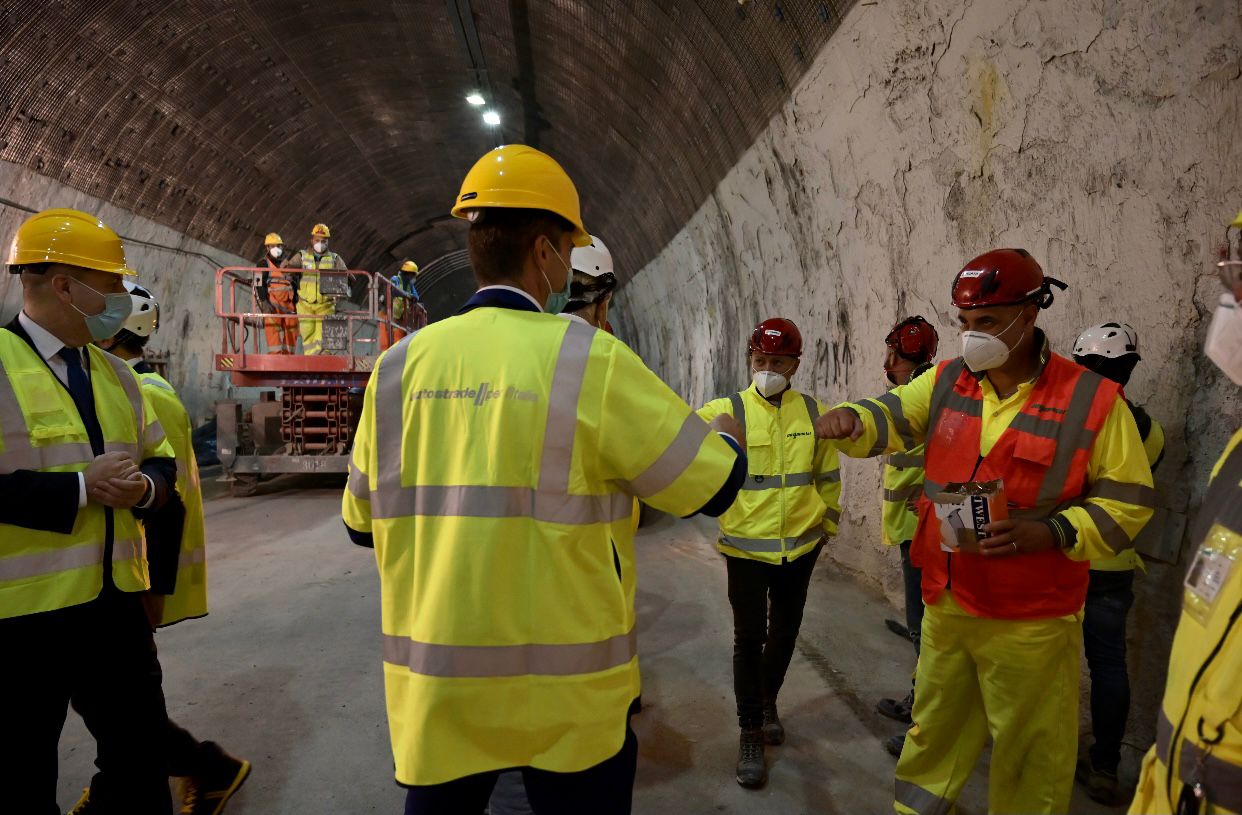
point(491, 117)
point(475, 99)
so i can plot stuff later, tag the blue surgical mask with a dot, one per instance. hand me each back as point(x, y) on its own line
point(116, 310)
point(557, 300)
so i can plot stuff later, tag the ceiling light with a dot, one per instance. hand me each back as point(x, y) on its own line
point(474, 99)
point(491, 117)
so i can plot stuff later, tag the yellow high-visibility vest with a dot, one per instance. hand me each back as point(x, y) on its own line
point(40, 430)
point(190, 598)
point(495, 465)
point(792, 495)
point(903, 484)
point(308, 286)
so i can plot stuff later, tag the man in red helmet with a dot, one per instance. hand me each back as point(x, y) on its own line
point(912, 345)
point(1002, 634)
point(789, 505)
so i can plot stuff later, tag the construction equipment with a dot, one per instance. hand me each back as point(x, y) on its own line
point(304, 419)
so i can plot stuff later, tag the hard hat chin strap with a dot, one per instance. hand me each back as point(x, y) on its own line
point(1045, 296)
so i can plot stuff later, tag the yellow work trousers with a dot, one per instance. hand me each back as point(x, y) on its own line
point(1013, 680)
point(312, 330)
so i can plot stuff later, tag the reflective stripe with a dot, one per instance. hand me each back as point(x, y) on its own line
point(799, 479)
point(963, 404)
point(1164, 736)
point(469, 661)
point(62, 559)
point(922, 801)
point(831, 475)
point(675, 459)
point(1221, 780)
point(1073, 437)
point(158, 383)
point(357, 484)
point(562, 421)
point(389, 417)
point(904, 460)
point(945, 380)
point(881, 426)
point(133, 391)
point(812, 408)
point(129, 549)
point(833, 515)
point(739, 409)
point(1139, 495)
point(1110, 530)
point(931, 489)
point(193, 557)
point(903, 493)
point(769, 545)
point(52, 455)
point(472, 501)
point(1044, 428)
point(773, 482)
point(891, 401)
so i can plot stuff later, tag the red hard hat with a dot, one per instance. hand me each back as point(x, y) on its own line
point(1002, 277)
point(778, 337)
point(914, 338)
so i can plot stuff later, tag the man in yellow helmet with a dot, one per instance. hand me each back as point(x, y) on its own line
point(512, 444)
point(404, 298)
point(1195, 768)
point(311, 299)
point(82, 458)
point(276, 294)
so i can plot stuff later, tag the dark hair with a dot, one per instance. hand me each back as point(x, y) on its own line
point(1117, 369)
point(130, 341)
point(500, 238)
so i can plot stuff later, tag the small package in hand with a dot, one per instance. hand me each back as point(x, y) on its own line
point(963, 509)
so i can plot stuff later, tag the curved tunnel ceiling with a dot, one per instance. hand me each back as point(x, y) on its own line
point(227, 119)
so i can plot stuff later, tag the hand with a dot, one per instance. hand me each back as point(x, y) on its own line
point(109, 465)
point(153, 605)
point(841, 423)
point(1012, 537)
point(724, 423)
point(120, 493)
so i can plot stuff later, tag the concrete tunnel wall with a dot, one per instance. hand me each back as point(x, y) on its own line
point(1101, 136)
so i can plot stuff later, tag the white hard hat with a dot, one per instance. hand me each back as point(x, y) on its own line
point(593, 260)
point(144, 317)
point(1109, 340)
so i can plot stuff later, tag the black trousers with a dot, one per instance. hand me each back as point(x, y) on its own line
point(912, 576)
point(767, 601)
point(101, 656)
point(605, 789)
point(1109, 597)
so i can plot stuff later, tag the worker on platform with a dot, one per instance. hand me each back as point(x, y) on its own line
point(911, 347)
point(512, 441)
point(311, 301)
point(404, 296)
point(594, 281)
point(772, 536)
point(276, 294)
point(83, 457)
point(1111, 350)
point(209, 776)
point(1195, 767)
point(1001, 636)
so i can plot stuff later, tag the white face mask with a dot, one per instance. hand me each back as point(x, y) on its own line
point(1224, 338)
point(319, 247)
point(769, 383)
point(276, 251)
point(982, 351)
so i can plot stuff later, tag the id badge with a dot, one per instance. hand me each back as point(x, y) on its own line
point(1209, 572)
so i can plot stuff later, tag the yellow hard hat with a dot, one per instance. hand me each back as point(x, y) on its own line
point(273, 239)
point(70, 237)
point(321, 231)
point(521, 177)
point(409, 266)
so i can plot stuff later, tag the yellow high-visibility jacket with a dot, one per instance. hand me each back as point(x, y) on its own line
point(792, 496)
point(903, 484)
point(190, 599)
point(1153, 447)
point(495, 466)
point(1199, 731)
point(41, 431)
point(898, 422)
point(308, 283)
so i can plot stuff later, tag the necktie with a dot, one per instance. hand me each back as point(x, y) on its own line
point(83, 398)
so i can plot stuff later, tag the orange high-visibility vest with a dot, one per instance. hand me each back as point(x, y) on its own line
point(1042, 457)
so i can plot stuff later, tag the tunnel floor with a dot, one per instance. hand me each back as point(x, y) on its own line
point(285, 672)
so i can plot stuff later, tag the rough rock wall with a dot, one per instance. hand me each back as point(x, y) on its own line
point(179, 271)
point(1104, 136)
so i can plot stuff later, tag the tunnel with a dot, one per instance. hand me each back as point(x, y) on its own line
point(835, 163)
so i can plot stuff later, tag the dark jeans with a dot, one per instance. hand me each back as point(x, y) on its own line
point(605, 789)
point(187, 756)
point(1109, 597)
point(767, 602)
point(101, 656)
point(913, 578)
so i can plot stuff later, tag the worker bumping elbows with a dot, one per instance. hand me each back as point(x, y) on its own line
point(493, 471)
point(1002, 635)
point(772, 536)
point(310, 297)
point(83, 457)
point(1195, 768)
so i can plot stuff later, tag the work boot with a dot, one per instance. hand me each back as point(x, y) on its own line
point(894, 743)
point(207, 794)
point(84, 806)
point(897, 709)
point(773, 730)
point(1102, 785)
point(752, 772)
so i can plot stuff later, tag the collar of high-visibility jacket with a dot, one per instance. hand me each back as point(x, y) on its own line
point(788, 395)
point(501, 297)
point(1045, 351)
point(45, 342)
